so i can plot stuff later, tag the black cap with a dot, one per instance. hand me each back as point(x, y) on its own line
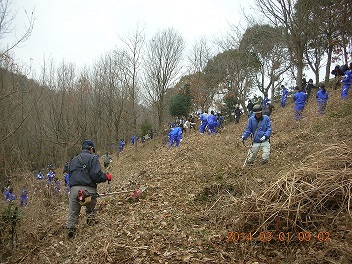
point(88, 144)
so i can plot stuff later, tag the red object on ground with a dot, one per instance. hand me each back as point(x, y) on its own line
point(136, 194)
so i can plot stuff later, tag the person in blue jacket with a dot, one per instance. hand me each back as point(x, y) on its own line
point(265, 100)
point(9, 195)
point(6, 192)
point(347, 80)
point(67, 182)
point(259, 129)
point(284, 96)
point(85, 174)
point(204, 121)
point(212, 123)
point(24, 197)
point(300, 100)
point(40, 176)
point(50, 175)
point(175, 135)
point(322, 97)
point(121, 145)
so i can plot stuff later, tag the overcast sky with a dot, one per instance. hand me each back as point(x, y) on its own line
point(80, 31)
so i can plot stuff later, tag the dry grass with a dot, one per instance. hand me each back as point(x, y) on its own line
point(199, 191)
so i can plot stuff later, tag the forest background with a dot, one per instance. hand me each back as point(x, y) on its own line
point(130, 89)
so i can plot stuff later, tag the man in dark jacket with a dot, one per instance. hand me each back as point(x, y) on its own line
point(250, 108)
point(85, 174)
point(238, 113)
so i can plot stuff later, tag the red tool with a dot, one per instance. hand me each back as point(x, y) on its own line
point(84, 197)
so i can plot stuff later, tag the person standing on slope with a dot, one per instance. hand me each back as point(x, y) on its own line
point(347, 80)
point(250, 106)
point(204, 122)
point(85, 174)
point(284, 96)
point(259, 129)
point(300, 100)
point(238, 113)
point(322, 97)
point(212, 123)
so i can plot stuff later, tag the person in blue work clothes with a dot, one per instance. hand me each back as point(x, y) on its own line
point(40, 176)
point(121, 145)
point(9, 195)
point(346, 81)
point(300, 100)
point(203, 121)
point(259, 129)
point(85, 174)
point(265, 100)
point(24, 197)
point(67, 182)
point(212, 123)
point(175, 136)
point(322, 97)
point(50, 175)
point(284, 96)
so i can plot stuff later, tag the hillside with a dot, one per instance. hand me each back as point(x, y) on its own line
point(199, 192)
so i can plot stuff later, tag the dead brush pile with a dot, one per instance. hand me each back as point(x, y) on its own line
point(306, 198)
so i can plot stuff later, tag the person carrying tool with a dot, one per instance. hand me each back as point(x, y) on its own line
point(85, 174)
point(259, 128)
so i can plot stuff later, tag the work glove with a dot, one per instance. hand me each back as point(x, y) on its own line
point(262, 138)
point(108, 175)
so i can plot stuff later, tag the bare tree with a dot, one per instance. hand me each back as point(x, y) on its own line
point(198, 58)
point(293, 18)
point(57, 117)
point(267, 44)
point(163, 60)
point(134, 44)
point(7, 16)
point(235, 70)
point(111, 87)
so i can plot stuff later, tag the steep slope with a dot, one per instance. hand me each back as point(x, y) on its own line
point(201, 205)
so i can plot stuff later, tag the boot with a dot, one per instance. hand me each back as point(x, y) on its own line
point(91, 221)
point(71, 232)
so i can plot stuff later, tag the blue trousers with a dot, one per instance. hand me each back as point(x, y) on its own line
point(344, 91)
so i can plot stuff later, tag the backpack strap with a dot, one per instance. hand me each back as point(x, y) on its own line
point(84, 166)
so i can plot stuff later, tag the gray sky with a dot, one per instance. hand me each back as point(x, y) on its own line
point(80, 31)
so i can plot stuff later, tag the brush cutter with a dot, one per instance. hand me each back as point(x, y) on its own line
point(84, 197)
point(248, 154)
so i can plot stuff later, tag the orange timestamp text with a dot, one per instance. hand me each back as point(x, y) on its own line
point(237, 237)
